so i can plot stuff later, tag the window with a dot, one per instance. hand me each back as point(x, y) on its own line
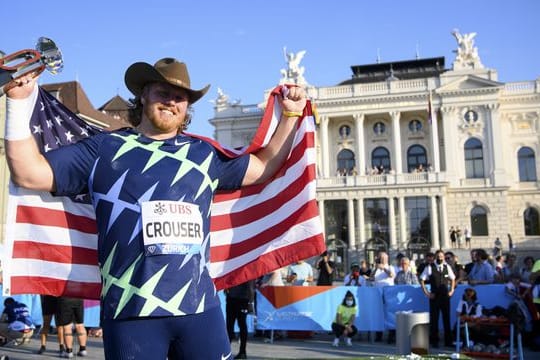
point(345, 161)
point(416, 158)
point(527, 164)
point(344, 131)
point(531, 221)
point(474, 159)
point(479, 225)
point(379, 128)
point(380, 157)
point(376, 218)
point(415, 126)
point(418, 217)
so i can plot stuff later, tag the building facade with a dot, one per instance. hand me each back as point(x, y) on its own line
point(407, 150)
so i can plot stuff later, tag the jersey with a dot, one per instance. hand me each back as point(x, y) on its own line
point(152, 202)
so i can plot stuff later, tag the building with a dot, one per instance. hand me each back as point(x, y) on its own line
point(406, 150)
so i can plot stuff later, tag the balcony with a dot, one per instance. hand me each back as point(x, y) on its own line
point(382, 180)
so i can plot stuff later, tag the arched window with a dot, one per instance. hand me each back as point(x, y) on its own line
point(416, 158)
point(345, 161)
point(380, 157)
point(479, 224)
point(531, 221)
point(474, 159)
point(527, 164)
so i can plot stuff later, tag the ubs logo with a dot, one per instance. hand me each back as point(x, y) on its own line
point(152, 249)
point(159, 208)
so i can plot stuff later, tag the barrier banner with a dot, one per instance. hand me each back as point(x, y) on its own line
point(314, 307)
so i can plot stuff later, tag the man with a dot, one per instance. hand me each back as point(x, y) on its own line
point(383, 275)
point(300, 273)
point(429, 258)
point(482, 272)
point(326, 270)
point(240, 300)
point(405, 276)
point(157, 290)
point(16, 324)
point(452, 259)
point(71, 311)
point(441, 288)
point(49, 308)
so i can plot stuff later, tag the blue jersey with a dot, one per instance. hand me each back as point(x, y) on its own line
point(152, 202)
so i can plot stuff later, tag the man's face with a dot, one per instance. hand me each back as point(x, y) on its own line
point(165, 107)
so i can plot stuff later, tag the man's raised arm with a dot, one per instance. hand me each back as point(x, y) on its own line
point(28, 167)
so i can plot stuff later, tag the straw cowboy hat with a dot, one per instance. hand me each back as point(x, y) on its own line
point(167, 70)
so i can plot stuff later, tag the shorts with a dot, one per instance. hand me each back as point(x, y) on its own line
point(49, 305)
point(194, 336)
point(69, 311)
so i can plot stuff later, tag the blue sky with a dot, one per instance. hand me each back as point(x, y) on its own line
point(238, 45)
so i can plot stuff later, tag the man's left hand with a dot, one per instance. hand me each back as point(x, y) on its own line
point(294, 99)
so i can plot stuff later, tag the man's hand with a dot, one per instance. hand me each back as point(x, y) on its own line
point(22, 87)
point(294, 99)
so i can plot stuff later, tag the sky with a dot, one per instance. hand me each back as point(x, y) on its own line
point(238, 45)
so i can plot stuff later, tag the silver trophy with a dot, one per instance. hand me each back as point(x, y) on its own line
point(46, 56)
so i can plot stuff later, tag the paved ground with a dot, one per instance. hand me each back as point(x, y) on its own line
point(317, 347)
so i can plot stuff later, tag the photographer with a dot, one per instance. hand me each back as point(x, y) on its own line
point(354, 278)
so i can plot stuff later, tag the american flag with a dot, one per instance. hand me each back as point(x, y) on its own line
point(51, 242)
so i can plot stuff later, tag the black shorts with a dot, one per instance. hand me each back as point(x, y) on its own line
point(49, 305)
point(69, 311)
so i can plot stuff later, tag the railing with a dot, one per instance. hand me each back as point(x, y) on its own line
point(384, 179)
point(521, 87)
point(378, 88)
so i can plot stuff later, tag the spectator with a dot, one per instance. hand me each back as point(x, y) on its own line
point(468, 235)
point(343, 325)
point(510, 267)
point(482, 272)
point(521, 295)
point(453, 237)
point(273, 278)
point(365, 271)
point(239, 303)
point(354, 278)
point(397, 266)
point(469, 265)
point(405, 276)
point(429, 258)
point(383, 275)
point(71, 310)
point(16, 324)
point(442, 284)
point(525, 271)
point(458, 269)
point(300, 273)
point(49, 308)
point(326, 270)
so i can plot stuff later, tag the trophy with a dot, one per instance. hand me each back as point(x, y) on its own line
point(46, 56)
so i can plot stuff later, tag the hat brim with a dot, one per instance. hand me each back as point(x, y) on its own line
point(140, 74)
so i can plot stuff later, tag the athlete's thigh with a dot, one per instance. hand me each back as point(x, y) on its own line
point(136, 339)
point(202, 336)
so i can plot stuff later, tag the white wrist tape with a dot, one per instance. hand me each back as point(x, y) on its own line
point(18, 114)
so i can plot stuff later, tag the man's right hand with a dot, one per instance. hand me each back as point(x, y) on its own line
point(22, 87)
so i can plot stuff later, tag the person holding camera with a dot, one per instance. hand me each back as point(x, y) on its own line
point(326, 270)
point(354, 278)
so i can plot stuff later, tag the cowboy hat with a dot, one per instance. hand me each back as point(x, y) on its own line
point(167, 70)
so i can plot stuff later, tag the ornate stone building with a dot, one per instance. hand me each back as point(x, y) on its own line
point(407, 150)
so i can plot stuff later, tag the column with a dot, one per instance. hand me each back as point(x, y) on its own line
point(360, 220)
point(435, 240)
point(402, 222)
point(392, 223)
point(324, 147)
point(396, 139)
point(320, 204)
point(453, 167)
point(435, 141)
point(360, 150)
point(444, 222)
point(496, 143)
point(350, 219)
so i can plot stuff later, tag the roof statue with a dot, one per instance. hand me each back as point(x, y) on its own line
point(294, 74)
point(466, 53)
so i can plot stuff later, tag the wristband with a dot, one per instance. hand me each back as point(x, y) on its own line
point(18, 114)
point(292, 113)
